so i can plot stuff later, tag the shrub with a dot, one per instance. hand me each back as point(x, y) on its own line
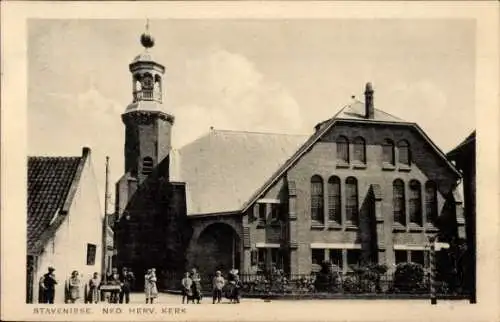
point(327, 279)
point(409, 278)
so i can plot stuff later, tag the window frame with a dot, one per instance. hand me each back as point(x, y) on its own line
point(401, 198)
point(359, 147)
point(334, 192)
point(415, 203)
point(342, 141)
point(351, 201)
point(404, 144)
point(388, 144)
point(317, 204)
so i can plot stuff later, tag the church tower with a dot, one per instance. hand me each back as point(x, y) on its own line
point(148, 126)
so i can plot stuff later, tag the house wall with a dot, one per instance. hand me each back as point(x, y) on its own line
point(321, 160)
point(67, 251)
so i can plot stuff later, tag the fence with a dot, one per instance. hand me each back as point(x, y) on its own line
point(316, 284)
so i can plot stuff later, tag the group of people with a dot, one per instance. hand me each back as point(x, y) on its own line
point(191, 287)
point(72, 288)
point(117, 285)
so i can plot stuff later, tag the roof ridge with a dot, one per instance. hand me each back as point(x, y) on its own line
point(255, 132)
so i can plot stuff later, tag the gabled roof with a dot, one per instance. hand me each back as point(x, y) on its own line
point(223, 168)
point(353, 112)
point(52, 183)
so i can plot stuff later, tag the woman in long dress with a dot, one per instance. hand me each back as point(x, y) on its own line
point(197, 292)
point(73, 287)
point(94, 289)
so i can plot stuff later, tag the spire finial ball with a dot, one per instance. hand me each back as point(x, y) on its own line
point(147, 41)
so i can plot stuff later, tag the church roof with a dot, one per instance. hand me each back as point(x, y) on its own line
point(51, 185)
point(227, 171)
point(224, 168)
point(356, 111)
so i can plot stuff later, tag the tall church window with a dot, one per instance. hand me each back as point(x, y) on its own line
point(415, 202)
point(334, 201)
point(359, 150)
point(404, 153)
point(147, 165)
point(431, 207)
point(342, 149)
point(317, 199)
point(388, 152)
point(398, 191)
point(351, 203)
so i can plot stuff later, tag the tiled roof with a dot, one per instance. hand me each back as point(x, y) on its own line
point(224, 168)
point(356, 111)
point(49, 183)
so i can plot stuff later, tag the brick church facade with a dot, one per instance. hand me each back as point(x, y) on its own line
point(366, 186)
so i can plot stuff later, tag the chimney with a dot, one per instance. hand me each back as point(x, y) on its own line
point(369, 110)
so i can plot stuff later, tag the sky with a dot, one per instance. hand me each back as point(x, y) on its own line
point(280, 76)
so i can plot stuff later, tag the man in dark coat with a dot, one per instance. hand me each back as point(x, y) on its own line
point(48, 285)
point(126, 279)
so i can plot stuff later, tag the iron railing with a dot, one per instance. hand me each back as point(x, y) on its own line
point(300, 284)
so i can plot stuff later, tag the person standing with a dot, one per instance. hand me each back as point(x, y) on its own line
point(73, 287)
point(126, 280)
point(150, 289)
point(93, 296)
point(218, 284)
point(197, 292)
point(114, 279)
point(48, 284)
point(187, 284)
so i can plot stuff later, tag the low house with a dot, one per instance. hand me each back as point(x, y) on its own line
point(64, 224)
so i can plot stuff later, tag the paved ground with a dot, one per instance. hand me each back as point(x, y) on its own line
point(164, 298)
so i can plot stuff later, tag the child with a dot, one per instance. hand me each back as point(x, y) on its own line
point(187, 292)
point(218, 283)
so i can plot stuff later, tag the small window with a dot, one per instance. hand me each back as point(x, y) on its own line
point(353, 257)
point(147, 165)
point(359, 150)
point(401, 256)
point(404, 153)
point(388, 152)
point(318, 256)
point(276, 258)
point(275, 213)
point(336, 258)
point(342, 149)
point(262, 258)
point(91, 253)
point(262, 212)
point(417, 256)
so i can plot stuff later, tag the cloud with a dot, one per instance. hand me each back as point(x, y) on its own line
point(227, 91)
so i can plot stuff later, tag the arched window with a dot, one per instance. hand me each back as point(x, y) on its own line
point(404, 153)
point(398, 195)
point(359, 150)
point(351, 202)
point(317, 195)
point(388, 152)
point(342, 149)
point(334, 201)
point(415, 202)
point(431, 207)
point(147, 165)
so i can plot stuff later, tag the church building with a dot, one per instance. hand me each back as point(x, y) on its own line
point(365, 186)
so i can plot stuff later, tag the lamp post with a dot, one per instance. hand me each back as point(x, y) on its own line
point(434, 246)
